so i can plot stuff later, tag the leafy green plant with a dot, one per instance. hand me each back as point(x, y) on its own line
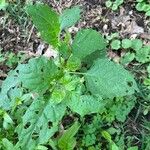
point(107, 136)
point(83, 81)
point(11, 59)
point(119, 111)
point(142, 53)
point(3, 5)
point(143, 5)
point(127, 58)
point(112, 36)
point(126, 43)
point(116, 44)
point(67, 140)
point(114, 5)
point(135, 50)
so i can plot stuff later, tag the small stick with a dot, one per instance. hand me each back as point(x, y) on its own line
point(31, 31)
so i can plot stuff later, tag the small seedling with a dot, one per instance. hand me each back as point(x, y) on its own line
point(126, 43)
point(135, 49)
point(114, 5)
point(116, 44)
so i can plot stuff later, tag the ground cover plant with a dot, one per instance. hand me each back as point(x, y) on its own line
point(143, 5)
point(114, 4)
point(76, 98)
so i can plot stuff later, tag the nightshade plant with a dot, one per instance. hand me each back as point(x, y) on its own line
point(36, 95)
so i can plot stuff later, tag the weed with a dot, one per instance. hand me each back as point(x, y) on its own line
point(114, 5)
point(81, 81)
point(143, 5)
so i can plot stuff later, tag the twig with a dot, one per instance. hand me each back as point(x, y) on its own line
point(31, 31)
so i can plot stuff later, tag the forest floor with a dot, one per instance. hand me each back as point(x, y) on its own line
point(19, 40)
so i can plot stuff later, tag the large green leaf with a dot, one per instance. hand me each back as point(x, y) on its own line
point(40, 122)
point(69, 17)
point(46, 21)
point(86, 42)
point(86, 104)
point(67, 140)
point(8, 84)
point(11, 81)
point(109, 80)
point(38, 74)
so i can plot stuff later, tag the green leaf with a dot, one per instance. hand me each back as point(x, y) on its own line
point(114, 146)
point(137, 44)
point(127, 58)
point(86, 42)
point(4, 102)
point(126, 43)
point(146, 7)
point(119, 2)
point(148, 13)
point(147, 82)
point(3, 4)
point(58, 95)
point(10, 82)
point(8, 145)
point(122, 109)
point(86, 104)
point(108, 3)
point(109, 80)
point(40, 122)
point(107, 136)
point(143, 54)
point(139, 6)
point(70, 82)
point(37, 74)
point(114, 6)
point(133, 148)
point(112, 36)
point(46, 21)
point(40, 147)
point(119, 108)
point(7, 121)
point(116, 44)
point(73, 63)
point(64, 50)
point(70, 17)
point(67, 140)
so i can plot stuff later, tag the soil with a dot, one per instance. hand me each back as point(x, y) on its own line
point(23, 37)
